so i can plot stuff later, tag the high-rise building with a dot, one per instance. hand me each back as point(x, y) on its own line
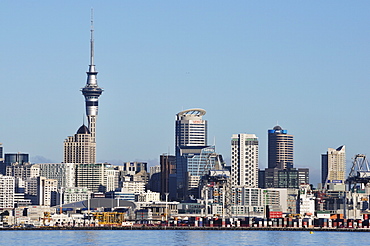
point(280, 148)
point(7, 190)
point(244, 160)
point(190, 139)
point(333, 166)
point(191, 129)
point(168, 167)
point(80, 148)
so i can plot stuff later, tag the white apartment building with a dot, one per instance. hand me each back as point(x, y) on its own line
point(63, 172)
point(244, 160)
point(7, 189)
point(100, 177)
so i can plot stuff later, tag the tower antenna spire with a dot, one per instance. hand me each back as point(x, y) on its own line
point(92, 38)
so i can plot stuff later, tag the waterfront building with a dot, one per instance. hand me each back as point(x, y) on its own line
point(276, 199)
point(333, 166)
point(244, 160)
point(306, 201)
point(75, 194)
point(247, 201)
point(7, 190)
point(280, 148)
point(80, 148)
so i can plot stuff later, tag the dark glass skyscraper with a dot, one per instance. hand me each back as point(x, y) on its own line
point(280, 148)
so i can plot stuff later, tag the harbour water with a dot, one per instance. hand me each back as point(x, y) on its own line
point(187, 237)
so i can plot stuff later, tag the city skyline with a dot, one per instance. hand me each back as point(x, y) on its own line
point(301, 64)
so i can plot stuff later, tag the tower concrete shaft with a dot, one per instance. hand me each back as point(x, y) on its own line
point(92, 91)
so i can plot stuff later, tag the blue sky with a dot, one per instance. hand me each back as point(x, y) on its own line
point(249, 64)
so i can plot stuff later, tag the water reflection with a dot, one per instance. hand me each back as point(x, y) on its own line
point(181, 238)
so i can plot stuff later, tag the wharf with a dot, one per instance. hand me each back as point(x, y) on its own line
point(191, 228)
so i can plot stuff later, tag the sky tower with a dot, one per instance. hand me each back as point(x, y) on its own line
point(92, 91)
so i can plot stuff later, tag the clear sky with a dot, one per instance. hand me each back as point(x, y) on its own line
point(249, 64)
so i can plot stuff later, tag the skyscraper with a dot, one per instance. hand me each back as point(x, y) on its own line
point(193, 157)
point(280, 148)
point(244, 160)
point(191, 129)
point(92, 91)
point(80, 148)
point(333, 166)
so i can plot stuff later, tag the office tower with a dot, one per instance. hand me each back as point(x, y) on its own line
point(92, 91)
point(191, 129)
point(10, 158)
point(333, 166)
point(244, 160)
point(280, 148)
point(190, 139)
point(79, 148)
point(168, 167)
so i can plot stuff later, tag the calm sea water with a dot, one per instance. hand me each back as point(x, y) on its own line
point(182, 238)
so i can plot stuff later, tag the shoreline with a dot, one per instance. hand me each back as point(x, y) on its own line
point(188, 228)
